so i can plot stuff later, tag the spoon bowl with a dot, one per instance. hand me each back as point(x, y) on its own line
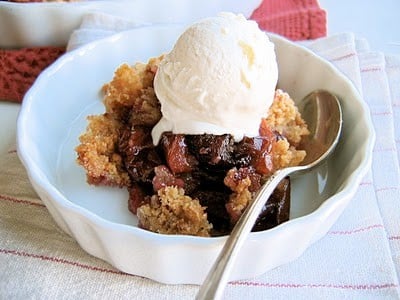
point(323, 114)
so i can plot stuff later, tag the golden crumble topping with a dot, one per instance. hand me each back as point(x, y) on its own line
point(284, 117)
point(131, 90)
point(97, 152)
point(171, 212)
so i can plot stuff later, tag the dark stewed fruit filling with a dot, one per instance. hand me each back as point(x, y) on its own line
point(210, 168)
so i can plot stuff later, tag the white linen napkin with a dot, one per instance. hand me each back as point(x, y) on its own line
point(357, 259)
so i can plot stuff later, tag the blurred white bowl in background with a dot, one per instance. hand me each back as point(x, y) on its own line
point(50, 24)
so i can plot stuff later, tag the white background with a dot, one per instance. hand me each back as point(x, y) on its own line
point(376, 20)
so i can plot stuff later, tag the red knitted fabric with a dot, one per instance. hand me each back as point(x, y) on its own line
point(294, 19)
point(19, 69)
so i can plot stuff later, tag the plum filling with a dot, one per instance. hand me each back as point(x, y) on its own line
point(221, 174)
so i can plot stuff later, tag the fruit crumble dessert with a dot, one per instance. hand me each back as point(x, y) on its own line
point(192, 182)
point(188, 184)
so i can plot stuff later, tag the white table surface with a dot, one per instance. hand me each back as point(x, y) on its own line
point(377, 21)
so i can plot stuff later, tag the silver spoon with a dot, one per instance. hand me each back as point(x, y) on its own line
point(322, 112)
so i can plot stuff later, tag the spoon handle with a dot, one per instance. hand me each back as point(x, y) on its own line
point(217, 278)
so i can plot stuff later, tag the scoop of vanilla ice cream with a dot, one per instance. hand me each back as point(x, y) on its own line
point(219, 78)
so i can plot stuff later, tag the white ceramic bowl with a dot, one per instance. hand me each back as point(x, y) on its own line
point(53, 115)
point(51, 24)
